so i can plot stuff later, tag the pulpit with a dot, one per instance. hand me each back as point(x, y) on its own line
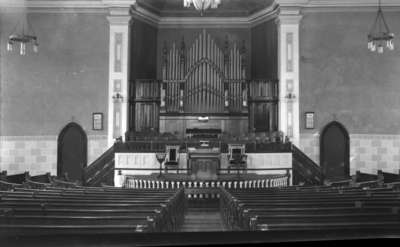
point(204, 163)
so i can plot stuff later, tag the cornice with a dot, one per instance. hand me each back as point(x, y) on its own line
point(52, 4)
point(200, 22)
point(336, 3)
point(145, 15)
point(118, 3)
point(64, 6)
point(207, 22)
point(124, 7)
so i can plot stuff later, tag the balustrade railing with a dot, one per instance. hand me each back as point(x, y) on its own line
point(95, 173)
point(281, 180)
point(305, 169)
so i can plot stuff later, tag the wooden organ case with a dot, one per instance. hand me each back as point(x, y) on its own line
point(204, 81)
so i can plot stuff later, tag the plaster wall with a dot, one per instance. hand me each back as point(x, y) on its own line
point(41, 93)
point(341, 80)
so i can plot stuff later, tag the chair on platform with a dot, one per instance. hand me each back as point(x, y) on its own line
point(172, 158)
point(237, 158)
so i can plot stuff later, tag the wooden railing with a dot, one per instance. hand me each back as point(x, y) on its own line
point(281, 180)
point(305, 170)
point(159, 145)
point(101, 169)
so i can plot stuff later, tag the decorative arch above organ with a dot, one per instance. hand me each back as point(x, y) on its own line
point(204, 78)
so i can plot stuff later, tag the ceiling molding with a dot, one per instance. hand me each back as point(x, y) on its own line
point(336, 3)
point(286, 7)
point(145, 16)
point(200, 22)
point(63, 6)
point(206, 22)
point(52, 4)
point(87, 4)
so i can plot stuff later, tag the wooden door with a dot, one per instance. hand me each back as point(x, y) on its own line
point(334, 151)
point(72, 152)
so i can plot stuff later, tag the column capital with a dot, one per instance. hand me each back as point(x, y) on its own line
point(288, 19)
point(119, 11)
point(119, 19)
point(289, 15)
point(118, 3)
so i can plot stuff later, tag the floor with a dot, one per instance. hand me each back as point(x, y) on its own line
point(203, 218)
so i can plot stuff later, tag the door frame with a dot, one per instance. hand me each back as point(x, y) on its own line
point(347, 146)
point(59, 145)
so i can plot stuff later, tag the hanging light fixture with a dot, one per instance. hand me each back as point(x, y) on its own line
point(22, 37)
point(380, 35)
point(201, 5)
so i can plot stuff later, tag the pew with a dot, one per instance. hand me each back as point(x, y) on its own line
point(86, 210)
point(9, 182)
point(366, 179)
point(326, 208)
point(389, 177)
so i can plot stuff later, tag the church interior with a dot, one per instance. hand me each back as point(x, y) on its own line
point(169, 122)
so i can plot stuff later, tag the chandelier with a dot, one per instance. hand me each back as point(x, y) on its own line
point(22, 37)
point(202, 5)
point(380, 35)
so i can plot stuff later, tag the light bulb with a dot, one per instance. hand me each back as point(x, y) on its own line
point(373, 47)
point(380, 49)
point(370, 45)
point(391, 45)
point(35, 47)
point(22, 49)
point(9, 46)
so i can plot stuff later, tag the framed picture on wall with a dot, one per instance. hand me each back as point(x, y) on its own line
point(97, 120)
point(309, 116)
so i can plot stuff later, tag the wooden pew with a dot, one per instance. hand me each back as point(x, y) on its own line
point(9, 182)
point(366, 179)
point(389, 177)
point(273, 209)
point(91, 210)
point(38, 182)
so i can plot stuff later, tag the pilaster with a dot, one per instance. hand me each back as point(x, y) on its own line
point(119, 52)
point(288, 71)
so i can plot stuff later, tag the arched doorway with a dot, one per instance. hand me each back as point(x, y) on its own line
point(334, 151)
point(72, 151)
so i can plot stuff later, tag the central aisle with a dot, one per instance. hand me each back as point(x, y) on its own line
point(204, 217)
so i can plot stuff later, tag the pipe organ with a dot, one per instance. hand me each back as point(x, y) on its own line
point(204, 79)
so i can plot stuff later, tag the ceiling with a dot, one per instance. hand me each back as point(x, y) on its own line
point(227, 8)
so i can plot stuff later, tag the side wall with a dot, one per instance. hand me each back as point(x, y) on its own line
point(341, 80)
point(41, 93)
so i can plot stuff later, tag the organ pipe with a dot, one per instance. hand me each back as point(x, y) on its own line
point(212, 78)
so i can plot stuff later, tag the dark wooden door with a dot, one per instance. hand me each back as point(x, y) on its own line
point(72, 152)
point(334, 150)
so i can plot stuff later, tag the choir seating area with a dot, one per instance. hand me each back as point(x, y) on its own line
point(366, 205)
